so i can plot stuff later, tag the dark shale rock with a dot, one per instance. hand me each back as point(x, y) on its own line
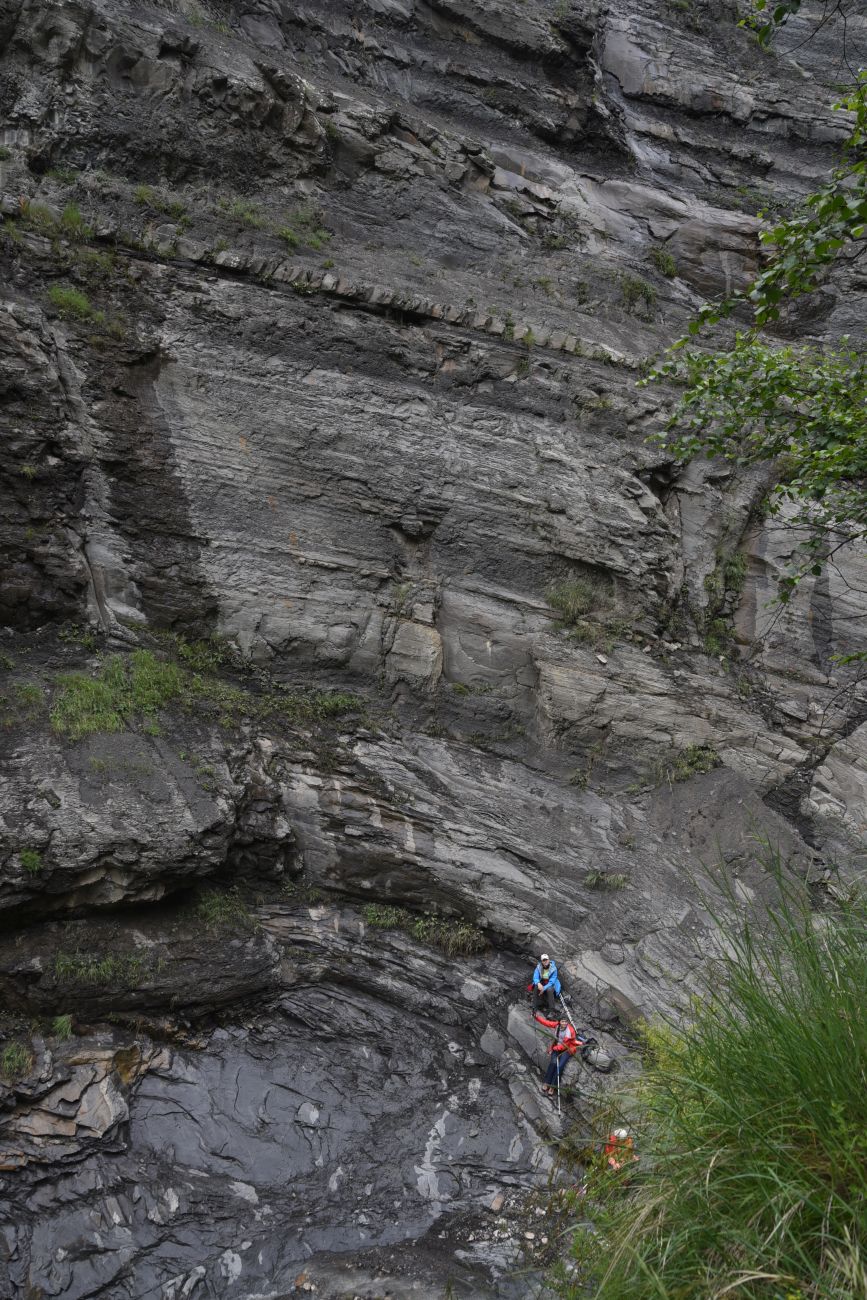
point(347, 379)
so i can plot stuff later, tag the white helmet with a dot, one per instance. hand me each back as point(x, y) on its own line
point(621, 1134)
point(544, 957)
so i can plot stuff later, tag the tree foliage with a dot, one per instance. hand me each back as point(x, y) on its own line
point(804, 406)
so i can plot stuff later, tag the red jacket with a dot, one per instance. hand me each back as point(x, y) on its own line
point(619, 1150)
point(566, 1041)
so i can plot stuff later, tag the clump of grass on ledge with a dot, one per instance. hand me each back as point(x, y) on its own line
point(16, 1060)
point(692, 761)
point(119, 969)
point(577, 595)
point(456, 938)
point(663, 261)
point(148, 197)
point(242, 211)
point(72, 303)
point(223, 907)
point(751, 1120)
point(61, 1027)
point(597, 879)
point(304, 229)
point(143, 686)
point(120, 691)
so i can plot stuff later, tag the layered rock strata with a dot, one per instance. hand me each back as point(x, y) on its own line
point(321, 333)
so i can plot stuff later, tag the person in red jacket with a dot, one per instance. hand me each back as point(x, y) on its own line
point(620, 1149)
point(565, 1045)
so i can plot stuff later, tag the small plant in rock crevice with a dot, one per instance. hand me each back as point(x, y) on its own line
point(31, 861)
point(599, 879)
point(73, 634)
point(304, 229)
point(61, 1027)
point(691, 761)
point(577, 595)
point(723, 586)
point(167, 204)
point(29, 696)
point(663, 261)
point(73, 224)
point(223, 908)
point(638, 296)
point(242, 211)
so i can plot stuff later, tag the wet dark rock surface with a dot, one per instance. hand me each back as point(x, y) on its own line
point(385, 1102)
point(347, 381)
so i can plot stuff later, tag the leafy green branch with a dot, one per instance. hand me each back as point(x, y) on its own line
point(803, 407)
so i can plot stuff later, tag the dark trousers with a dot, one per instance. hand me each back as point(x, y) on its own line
point(556, 1065)
point(544, 1000)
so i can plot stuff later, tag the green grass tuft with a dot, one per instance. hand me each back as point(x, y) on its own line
point(73, 224)
point(148, 197)
point(751, 1120)
point(38, 217)
point(663, 261)
point(638, 296)
point(225, 907)
point(242, 211)
point(16, 1060)
point(456, 938)
point(120, 969)
point(29, 696)
point(61, 1027)
point(597, 879)
point(576, 596)
point(141, 686)
point(31, 861)
point(304, 229)
point(72, 303)
point(203, 656)
point(692, 761)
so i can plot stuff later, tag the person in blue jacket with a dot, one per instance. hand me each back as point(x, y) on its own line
point(545, 985)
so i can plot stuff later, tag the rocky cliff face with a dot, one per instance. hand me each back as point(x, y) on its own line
point(321, 333)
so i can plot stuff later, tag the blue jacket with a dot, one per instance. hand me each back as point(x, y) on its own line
point(553, 977)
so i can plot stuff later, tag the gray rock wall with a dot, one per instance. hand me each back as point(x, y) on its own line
point(321, 333)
